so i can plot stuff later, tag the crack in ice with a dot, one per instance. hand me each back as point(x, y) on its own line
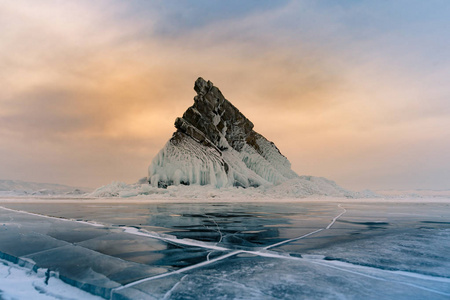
point(91, 223)
point(169, 292)
point(308, 234)
point(292, 240)
point(218, 228)
point(196, 266)
point(337, 217)
point(322, 263)
point(173, 239)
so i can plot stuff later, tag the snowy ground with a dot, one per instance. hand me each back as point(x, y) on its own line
point(12, 188)
point(310, 248)
point(18, 282)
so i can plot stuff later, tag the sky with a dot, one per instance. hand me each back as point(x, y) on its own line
point(354, 91)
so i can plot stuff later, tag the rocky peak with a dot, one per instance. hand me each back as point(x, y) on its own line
point(219, 120)
point(202, 86)
point(218, 138)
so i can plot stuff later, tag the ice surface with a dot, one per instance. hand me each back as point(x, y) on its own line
point(255, 277)
point(296, 249)
point(94, 258)
point(237, 224)
point(391, 237)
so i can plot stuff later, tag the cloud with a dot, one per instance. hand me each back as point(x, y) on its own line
point(330, 84)
point(86, 82)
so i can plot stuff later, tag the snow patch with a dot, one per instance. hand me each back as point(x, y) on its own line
point(24, 188)
point(18, 282)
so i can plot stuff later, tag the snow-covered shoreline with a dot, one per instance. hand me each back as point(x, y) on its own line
point(302, 189)
point(144, 199)
point(20, 282)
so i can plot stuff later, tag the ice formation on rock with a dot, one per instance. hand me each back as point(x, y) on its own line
point(215, 144)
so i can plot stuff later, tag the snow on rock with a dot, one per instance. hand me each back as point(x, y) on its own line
point(215, 144)
point(299, 187)
point(309, 185)
point(123, 190)
point(185, 161)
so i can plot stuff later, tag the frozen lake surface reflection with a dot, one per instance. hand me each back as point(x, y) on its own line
point(229, 250)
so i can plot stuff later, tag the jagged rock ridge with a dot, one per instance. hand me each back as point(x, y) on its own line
point(215, 144)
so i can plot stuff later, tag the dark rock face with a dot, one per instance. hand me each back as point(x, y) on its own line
point(237, 155)
point(215, 117)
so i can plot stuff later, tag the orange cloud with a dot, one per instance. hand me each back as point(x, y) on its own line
point(91, 92)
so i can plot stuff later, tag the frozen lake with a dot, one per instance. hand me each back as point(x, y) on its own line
point(303, 249)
